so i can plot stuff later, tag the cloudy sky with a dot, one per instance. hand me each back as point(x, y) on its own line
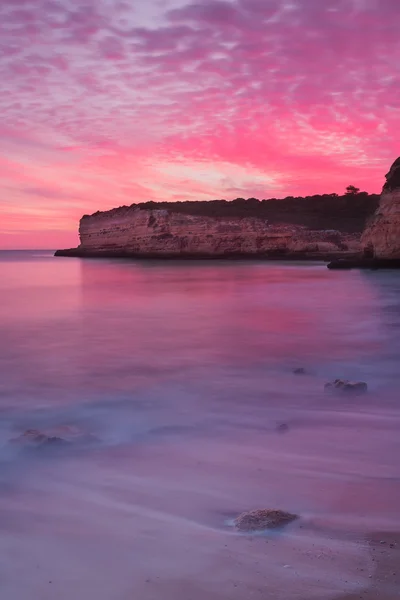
point(110, 102)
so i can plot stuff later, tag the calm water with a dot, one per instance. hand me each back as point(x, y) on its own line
point(182, 371)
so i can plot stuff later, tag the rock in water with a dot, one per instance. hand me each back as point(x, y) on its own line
point(381, 238)
point(58, 437)
point(343, 385)
point(282, 427)
point(300, 371)
point(259, 520)
point(75, 435)
point(37, 439)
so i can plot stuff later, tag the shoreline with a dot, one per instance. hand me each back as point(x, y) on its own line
point(278, 256)
point(333, 262)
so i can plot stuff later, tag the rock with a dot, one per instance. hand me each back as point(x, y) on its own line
point(58, 437)
point(381, 238)
point(372, 264)
point(35, 438)
point(343, 385)
point(75, 435)
point(259, 520)
point(282, 427)
point(300, 371)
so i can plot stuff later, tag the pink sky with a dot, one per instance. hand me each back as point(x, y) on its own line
point(109, 102)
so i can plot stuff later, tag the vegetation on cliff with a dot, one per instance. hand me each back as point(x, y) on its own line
point(347, 213)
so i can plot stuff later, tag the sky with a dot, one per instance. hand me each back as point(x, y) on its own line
point(112, 102)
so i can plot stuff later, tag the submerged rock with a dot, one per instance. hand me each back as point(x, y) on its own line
point(60, 437)
point(300, 371)
point(343, 385)
point(75, 435)
point(261, 519)
point(282, 427)
point(37, 439)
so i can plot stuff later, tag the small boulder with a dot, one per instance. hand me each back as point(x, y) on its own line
point(37, 439)
point(259, 520)
point(345, 386)
point(300, 371)
point(61, 436)
point(282, 427)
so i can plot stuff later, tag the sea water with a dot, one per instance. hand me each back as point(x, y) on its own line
point(182, 373)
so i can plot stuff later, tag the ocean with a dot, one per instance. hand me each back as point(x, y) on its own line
point(182, 373)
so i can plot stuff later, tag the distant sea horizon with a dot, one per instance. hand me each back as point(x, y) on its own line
point(27, 249)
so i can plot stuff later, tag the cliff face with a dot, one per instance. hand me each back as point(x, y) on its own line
point(381, 238)
point(138, 232)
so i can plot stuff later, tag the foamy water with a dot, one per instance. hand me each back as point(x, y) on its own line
point(182, 372)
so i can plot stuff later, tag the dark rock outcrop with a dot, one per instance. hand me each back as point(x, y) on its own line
point(32, 438)
point(282, 428)
point(393, 177)
point(372, 264)
point(345, 386)
point(60, 437)
point(300, 371)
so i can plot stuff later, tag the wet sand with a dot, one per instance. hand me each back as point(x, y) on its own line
point(150, 523)
point(385, 580)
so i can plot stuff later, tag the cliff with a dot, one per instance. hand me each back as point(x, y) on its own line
point(137, 231)
point(348, 213)
point(381, 238)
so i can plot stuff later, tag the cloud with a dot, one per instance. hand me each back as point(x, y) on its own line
point(111, 48)
point(301, 94)
point(48, 193)
point(209, 12)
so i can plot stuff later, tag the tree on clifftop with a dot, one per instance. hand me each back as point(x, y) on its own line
point(351, 190)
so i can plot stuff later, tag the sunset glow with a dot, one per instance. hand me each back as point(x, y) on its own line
point(108, 102)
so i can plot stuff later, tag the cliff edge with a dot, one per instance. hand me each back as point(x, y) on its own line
point(139, 232)
point(381, 238)
point(380, 241)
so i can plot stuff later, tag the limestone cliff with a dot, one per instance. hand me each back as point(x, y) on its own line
point(381, 238)
point(138, 232)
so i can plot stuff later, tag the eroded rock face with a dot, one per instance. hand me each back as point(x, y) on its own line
point(393, 177)
point(381, 238)
point(262, 519)
point(133, 231)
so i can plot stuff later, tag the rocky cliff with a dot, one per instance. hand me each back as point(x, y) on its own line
point(137, 231)
point(348, 213)
point(381, 238)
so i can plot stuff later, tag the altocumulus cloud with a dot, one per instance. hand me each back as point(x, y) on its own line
point(300, 96)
